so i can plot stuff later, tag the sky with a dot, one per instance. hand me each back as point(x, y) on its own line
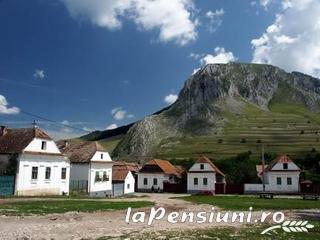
point(75, 66)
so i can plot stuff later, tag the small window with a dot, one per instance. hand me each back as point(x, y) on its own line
point(285, 166)
point(145, 181)
point(195, 181)
point(201, 166)
point(279, 181)
point(63, 173)
point(43, 145)
point(289, 181)
point(128, 186)
point(105, 177)
point(155, 181)
point(101, 155)
point(97, 177)
point(205, 181)
point(48, 173)
point(34, 174)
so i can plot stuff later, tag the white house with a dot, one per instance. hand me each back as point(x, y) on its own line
point(154, 173)
point(91, 167)
point(203, 176)
point(33, 158)
point(280, 176)
point(123, 181)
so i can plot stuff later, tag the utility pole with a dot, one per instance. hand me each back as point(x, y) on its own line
point(263, 163)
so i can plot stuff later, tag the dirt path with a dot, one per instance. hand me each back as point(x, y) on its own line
point(93, 225)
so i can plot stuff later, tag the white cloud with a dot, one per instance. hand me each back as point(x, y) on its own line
point(219, 56)
point(111, 126)
point(170, 99)
point(119, 113)
point(172, 18)
point(5, 109)
point(39, 74)
point(265, 3)
point(215, 19)
point(292, 41)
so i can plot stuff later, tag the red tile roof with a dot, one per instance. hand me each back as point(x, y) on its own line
point(279, 159)
point(119, 173)
point(16, 140)
point(165, 166)
point(133, 167)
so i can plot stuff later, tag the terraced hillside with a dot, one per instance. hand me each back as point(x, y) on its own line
point(285, 128)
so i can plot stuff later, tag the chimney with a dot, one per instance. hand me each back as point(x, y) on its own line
point(3, 130)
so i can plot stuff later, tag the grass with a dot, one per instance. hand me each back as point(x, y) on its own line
point(225, 233)
point(280, 129)
point(42, 207)
point(244, 202)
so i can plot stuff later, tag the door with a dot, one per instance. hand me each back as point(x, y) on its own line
point(7, 185)
point(117, 189)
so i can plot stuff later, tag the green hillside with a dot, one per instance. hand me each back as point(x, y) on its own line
point(285, 128)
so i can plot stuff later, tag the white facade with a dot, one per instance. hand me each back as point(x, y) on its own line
point(201, 177)
point(97, 173)
point(129, 183)
point(148, 180)
point(103, 185)
point(283, 177)
point(42, 170)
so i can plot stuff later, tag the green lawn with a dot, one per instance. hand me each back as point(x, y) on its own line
point(244, 202)
point(43, 207)
point(226, 233)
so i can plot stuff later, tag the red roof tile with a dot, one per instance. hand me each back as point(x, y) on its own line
point(204, 159)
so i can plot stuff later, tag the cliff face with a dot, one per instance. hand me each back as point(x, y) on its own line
point(206, 95)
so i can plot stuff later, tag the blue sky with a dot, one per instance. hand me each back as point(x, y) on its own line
point(92, 64)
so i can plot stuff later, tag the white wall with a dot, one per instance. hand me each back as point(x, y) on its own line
point(35, 146)
point(101, 188)
point(129, 181)
point(150, 176)
point(291, 166)
point(206, 167)
point(200, 187)
point(55, 186)
point(272, 183)
point(105, 156)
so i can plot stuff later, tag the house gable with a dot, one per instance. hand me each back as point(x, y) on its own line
point(43, 146)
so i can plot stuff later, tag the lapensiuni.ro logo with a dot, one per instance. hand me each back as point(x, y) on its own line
point(213, 216)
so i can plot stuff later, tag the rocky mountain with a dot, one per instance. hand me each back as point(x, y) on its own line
point(227, 104)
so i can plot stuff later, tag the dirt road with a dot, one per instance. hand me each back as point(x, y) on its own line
point(93, 225)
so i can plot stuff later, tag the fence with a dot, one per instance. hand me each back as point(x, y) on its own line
point(78, 186)
point(234, 188)
point(7, 185)
point(174, 187)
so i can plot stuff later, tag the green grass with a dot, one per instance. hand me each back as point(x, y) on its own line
point(225, 233)
point(279, 129)
point(244, 202)
point(42, 207)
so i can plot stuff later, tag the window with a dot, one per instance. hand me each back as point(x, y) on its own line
point(97, 177)
point(43, 145)
point(63, 173)
point(205, 181)
point(128, 186)
point(195, 181)
point(101, 155)
point(201, 166)
point(289, 181)
point(279, 181)
point(48, 173)
point(105, 176)
point(285, 166)
point(34, 174)
point(155, 181)
point(145, 181)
